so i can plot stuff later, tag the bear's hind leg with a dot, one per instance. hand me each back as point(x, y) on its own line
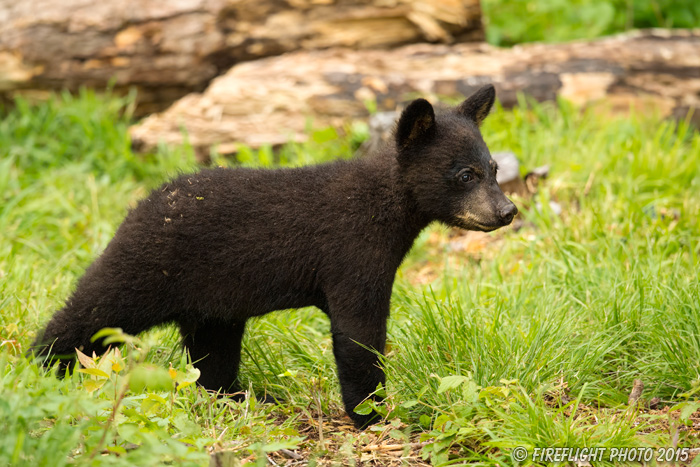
point(215, 350)
point(73, 326)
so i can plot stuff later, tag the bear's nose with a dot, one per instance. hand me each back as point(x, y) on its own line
point(507, 212)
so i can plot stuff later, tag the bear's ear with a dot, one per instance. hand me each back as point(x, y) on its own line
point(479, 104)
point(417, 121)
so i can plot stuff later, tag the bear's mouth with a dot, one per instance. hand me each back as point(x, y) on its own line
point(469, 222)
point(486, 228)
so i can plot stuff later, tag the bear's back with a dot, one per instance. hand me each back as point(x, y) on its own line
point(272, 236)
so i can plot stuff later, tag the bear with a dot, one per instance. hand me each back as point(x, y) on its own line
point(211, 249)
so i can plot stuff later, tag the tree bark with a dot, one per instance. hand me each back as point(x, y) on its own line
point(269, 100)
point(170, 48)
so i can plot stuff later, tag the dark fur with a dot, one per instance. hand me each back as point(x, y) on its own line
point(212, 249)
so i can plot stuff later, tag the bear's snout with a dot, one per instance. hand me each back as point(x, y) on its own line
point(507, 212)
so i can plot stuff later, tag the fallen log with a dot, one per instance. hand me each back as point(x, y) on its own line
point(268, 101)
point(169, 49)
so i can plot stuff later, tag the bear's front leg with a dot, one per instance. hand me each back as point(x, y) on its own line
point(355, 330)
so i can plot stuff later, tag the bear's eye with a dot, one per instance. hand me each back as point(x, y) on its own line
point(466, 177)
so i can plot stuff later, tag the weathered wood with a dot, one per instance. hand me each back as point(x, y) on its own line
point(269, 100)
point(170, 48)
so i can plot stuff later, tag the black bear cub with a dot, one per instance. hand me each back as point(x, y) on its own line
point(212, 249)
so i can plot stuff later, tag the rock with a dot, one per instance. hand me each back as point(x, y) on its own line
point(508, 176)
point(169, 49)
point(553, 206)
point(381, 127)
point(269, 100)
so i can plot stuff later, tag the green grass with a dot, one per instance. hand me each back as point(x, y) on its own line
point(510, 22)
point(534, 341)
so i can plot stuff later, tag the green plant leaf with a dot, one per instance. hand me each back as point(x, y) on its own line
point(451, 382)
point(149, 376)
point(364, 408)
point(94, 372)
point(688, 409)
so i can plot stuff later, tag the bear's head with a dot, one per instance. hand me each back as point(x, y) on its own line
point(445, 165)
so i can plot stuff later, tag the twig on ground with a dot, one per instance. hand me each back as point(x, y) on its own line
point(317, 399)
point(391, 447)
point(636, 393)
point(290, 454)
